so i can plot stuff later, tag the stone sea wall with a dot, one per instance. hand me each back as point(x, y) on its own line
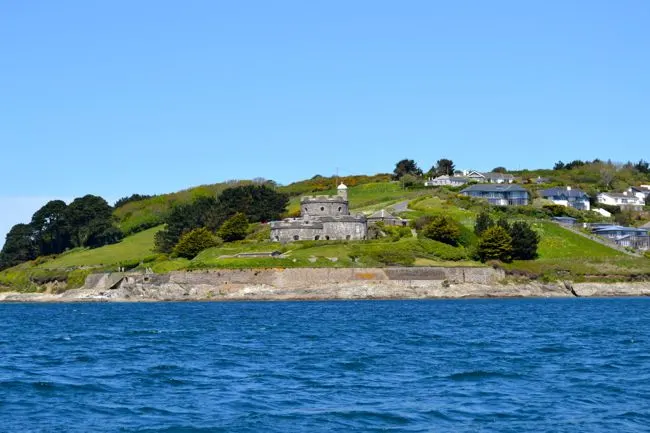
point(321, 283)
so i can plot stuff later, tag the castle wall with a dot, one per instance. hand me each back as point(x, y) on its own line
point(304, 233)
point(345, 230)
point(326, 206)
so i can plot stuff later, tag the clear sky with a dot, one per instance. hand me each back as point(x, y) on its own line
point(119, 97)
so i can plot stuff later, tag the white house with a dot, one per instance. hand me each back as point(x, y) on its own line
point(446, 180)
point(491, 177)
point(624, 200)
point(567, 196)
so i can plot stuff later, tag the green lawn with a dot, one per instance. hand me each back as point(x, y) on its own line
point(559, 243)
point(135, 247)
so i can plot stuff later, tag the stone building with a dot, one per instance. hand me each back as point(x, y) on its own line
point(322, 217)
point(384, 217)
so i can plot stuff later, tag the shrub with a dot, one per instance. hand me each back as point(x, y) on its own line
point(443, 229)
point(439, 250)
point(194, 242)
point(495, 244)
point(524, 241)
point(483, 222)
point(234, 228)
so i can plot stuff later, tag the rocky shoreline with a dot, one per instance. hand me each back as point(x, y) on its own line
point(321, 284)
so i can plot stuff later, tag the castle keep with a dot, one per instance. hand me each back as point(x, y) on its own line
point(322, 217)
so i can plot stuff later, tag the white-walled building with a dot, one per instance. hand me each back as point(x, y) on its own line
point(567, 196)
point(625, 200)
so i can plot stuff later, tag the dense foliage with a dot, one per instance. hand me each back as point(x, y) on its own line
point(132, 198)
point(56, 227)
point(234, 228)
point(406, 166)
point(443, 229)
point(495, 244)
point(256, 203)
point(195, 241)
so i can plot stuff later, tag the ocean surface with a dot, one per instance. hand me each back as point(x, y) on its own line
point(569, 365)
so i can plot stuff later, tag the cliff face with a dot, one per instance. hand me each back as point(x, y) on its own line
point(317, 283)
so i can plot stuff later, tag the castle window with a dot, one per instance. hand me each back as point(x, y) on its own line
point(317, 238)
point(327, 238)
point(322, 208)
point(277, 238)
point(339, 208)
point(305, 209)
point(296, 237)
point(347, 237)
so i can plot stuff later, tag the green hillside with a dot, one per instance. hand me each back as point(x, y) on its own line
point(562, 253)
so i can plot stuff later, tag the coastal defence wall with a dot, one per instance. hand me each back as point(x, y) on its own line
point(321, 284)
point(310, 283)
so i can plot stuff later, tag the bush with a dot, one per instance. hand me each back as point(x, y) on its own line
point(524, 241)
point(483, 222)
point(443, 229)
point(495, 244)
point(234, 228)
point(439, 250)
point(194, 242)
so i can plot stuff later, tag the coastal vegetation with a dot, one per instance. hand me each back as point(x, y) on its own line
point(224, 226)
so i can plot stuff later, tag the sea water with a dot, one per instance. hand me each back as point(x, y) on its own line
point(572, 365)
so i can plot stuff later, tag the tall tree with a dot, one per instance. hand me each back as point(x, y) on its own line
point(499, 170)
point(483, 222)
point(90, 218)
point(642, 167)
point(524, 241)
point(559, 166)
point(406, 166)
point(19, 246)
point(495, 244)
point(51, 230)
point(445, 167)
point(257, 202)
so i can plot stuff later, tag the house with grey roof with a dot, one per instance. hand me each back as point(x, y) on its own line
point(490, 177)
point(385, 217)
point(498, 194)
point(624, 200)
point(567, 196)
point(624, 236)
point(446, 180)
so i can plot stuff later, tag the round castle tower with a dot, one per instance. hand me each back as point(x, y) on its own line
point(326, 205)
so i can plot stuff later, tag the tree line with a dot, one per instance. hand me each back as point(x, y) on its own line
point(226, 216)
point(86, 222)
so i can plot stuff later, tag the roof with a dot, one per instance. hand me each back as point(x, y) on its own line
point(342, 186)
point(445, 177)
point(619, 228)
point(382, 214)
point(494, 175)
point(495, 188)
point(564, 218)
point(619, 195)
point(563, 191)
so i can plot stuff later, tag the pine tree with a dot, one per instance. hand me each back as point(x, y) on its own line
point(524, 241)
point(495, 244)
point(442, 229)
point(483, 222)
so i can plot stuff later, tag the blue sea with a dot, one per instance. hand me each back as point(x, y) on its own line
point(570, 365)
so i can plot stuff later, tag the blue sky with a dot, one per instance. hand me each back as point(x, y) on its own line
point(119, 97)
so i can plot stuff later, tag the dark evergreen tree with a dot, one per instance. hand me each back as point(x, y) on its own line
point(483, 222)
point(260, 203)
point(495, 244)
point(89, 217)
point(524, 241)
point(504, 224)
point(19, 246)
point(406, 166)
point(51, 229)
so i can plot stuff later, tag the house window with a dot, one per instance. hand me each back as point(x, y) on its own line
point(296, 237)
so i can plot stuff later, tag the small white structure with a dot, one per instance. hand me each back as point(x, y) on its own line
point(603, 212)
point(625, 200)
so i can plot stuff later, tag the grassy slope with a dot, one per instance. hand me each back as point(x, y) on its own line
point(563, 254)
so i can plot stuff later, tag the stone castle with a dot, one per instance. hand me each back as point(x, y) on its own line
point(322, 217)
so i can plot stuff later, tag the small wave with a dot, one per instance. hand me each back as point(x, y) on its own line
point(143, 332)
point(479, 375)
